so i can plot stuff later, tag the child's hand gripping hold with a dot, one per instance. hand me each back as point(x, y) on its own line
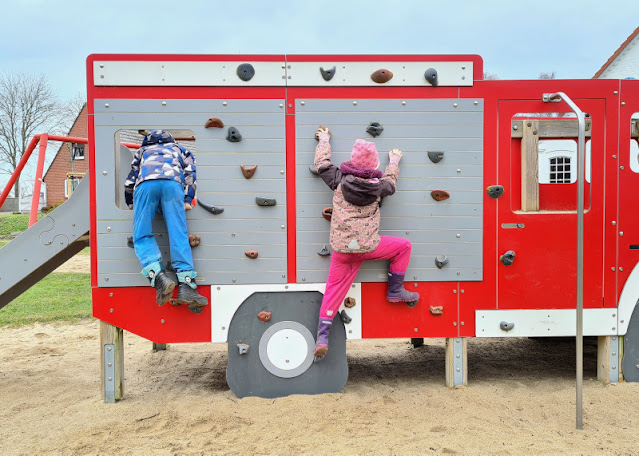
point(322, 133)
point(395, 156)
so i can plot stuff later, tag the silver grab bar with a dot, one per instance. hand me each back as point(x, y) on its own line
point(581, 160)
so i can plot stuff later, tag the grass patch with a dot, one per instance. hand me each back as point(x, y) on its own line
point(11, 223)
point(3, 242)
point(57, 297)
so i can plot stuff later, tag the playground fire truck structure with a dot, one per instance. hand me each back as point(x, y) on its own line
point(487, 195)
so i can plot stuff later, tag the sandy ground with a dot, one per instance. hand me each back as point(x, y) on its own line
point(520, 401)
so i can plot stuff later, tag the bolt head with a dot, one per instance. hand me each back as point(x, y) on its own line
point(164, 103)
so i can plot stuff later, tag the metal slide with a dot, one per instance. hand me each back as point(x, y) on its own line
point(45, 245)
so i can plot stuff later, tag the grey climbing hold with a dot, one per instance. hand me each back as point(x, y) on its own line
point(505, 326)
point(495, 191)
point(374, 129)
point(345, 317)
point(215, 210)
point(245, 71)
point(233, 135)
point(243, 349)
point(431, 77)
point(312, 169)
point(441, 261)
point(507, 258)
point(436, 157)
point(129, 242)
point(324, 252)
point(328, 74)
point(261, 201)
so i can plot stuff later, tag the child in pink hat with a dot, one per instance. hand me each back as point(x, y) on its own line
point(358, 189)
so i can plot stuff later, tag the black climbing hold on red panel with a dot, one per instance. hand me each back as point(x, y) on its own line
point(214, 122)
point(440, 195)
point(431, 77)
point(381, 76)
point(328, 74)
point(245, 71)
point(248, 171)
point(233, 135)
point(507, 258)
point(495, 191)
point(374, 129)
point(436, 157)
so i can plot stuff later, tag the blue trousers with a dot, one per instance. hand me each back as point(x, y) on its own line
point(147, 197)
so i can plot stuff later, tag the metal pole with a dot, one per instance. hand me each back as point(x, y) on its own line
point(18, 170)
point(581, 160)
point(35, 198)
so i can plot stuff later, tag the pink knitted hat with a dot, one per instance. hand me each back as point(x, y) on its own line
point(365, 155)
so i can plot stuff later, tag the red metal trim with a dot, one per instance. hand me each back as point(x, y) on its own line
point(37, 184)
point(18, 170)
point(291, 215)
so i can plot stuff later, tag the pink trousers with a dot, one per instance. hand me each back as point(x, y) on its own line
point(344, 268)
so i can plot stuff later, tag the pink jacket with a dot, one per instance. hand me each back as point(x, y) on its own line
point(355, 219)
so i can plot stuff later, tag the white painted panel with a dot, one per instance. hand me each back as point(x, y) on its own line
point(171, 73)
point(226, 299)
point(540, 322)
point(359, 73)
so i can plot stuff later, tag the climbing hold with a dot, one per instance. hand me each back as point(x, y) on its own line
point(233, 135)
point(344, 317)
point(436, 157)
point(441, 261)
point(252, 254)
point(214, 122)
point(431, 77)
point(436, 310)
point(312, 169)
point(248, 171)
point(243, 348)
point(374, 129)
point(261, 201)
point(215, 210)
point(327, 213)
point(245, 71)
point(440, 195)
point(328, 74)
point(324, 251)
point(264, 316)
point(195, 309)
point(507, 258)
point(495, 191)
point(129, 241)
point(506, 326)
point(381, 76)
point(349, 302)
point(194, 240)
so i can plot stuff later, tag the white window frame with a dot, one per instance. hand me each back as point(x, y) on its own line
point(554, 148)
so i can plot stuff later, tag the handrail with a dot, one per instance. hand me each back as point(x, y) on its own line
point(581, 160)
point(43, 139)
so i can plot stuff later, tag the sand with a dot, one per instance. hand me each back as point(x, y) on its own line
point(520, 400)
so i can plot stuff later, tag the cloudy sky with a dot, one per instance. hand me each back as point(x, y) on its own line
point(516, 39)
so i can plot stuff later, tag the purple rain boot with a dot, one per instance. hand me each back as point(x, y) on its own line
point(397, 292)
point(321, 346)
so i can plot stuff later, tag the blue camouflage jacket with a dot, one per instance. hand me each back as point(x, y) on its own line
point(160, 157)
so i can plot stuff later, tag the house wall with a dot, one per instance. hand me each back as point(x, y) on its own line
point(626, 65)
point(61, 165)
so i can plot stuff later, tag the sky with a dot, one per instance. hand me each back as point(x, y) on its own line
point(516, 39)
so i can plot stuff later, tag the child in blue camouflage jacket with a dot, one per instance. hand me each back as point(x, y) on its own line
point(163, 176)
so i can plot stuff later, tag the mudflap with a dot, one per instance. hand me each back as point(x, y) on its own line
point(630, 361)
point(274, 358)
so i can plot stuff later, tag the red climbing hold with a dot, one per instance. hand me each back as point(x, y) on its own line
point(381, 76)
point(194, 240)
point(264, 316)
point(328, 213)
point(436, 310)
point(440, 195)
point(214, 122)
point(252, 254)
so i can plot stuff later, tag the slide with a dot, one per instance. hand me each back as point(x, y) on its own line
point(46, 245)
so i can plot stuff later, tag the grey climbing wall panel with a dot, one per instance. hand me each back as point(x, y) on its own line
point(220, 258)
point(452, 227)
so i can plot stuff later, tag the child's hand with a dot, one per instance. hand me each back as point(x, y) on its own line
point(187, 207)
point(322, 130)
point(395, 156)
